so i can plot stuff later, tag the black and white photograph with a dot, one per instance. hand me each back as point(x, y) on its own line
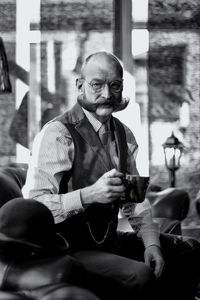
point(99, 149)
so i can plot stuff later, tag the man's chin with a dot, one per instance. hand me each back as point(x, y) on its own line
point(104, 110)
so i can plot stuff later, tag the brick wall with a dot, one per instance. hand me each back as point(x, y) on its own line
point(7, 109)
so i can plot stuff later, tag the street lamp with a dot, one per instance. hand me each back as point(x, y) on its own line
point(173, 149)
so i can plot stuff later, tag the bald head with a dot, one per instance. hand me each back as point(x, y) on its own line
point(102, 57)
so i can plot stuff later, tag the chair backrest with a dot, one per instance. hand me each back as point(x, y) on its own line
point(171, 203)
point(12, 180)
point(169, 207)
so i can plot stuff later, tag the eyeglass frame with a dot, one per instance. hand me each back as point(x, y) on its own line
point(104, 84)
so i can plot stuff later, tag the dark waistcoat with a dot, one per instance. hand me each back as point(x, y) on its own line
point(90, 163)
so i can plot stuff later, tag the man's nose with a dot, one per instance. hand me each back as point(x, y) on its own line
point(106, 91)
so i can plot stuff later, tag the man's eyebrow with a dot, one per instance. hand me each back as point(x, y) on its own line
point(97, 79)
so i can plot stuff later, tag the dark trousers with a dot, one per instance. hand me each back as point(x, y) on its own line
point(117, 271)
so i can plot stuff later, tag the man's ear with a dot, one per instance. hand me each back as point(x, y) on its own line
point(79, 84)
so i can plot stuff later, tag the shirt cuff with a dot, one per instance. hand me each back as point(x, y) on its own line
point(72, 204)
point(150, 236)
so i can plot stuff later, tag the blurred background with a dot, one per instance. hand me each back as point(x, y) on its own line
point(43, 44)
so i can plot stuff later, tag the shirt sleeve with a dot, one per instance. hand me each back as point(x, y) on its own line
point(52, 154)
point(139, 215)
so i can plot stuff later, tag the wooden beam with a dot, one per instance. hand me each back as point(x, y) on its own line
point(122, 35)
point(34, 103)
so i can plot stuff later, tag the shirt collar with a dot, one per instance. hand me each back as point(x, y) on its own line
point(96, 124)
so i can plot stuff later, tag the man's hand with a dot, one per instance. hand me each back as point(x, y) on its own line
point(106, 189)
point(154, 259)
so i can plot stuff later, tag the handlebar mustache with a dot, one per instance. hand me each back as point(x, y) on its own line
point(118, 106)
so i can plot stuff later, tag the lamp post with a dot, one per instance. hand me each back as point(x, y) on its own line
point(173, 149)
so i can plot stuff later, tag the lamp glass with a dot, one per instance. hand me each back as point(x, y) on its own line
point(172, 158)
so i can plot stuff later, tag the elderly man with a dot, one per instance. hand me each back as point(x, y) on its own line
point(77, 168)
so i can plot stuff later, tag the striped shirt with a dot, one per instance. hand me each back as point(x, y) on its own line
point(52, 154)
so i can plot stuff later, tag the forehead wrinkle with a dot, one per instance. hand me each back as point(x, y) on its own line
point(102, 71)
point(105, 62)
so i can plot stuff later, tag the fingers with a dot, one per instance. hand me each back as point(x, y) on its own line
point(114, 181)
point(159, 265)
point(113, 177)
point(109, 186)
point(113, 173)
point(155, 266)
point(115, 189)
point(154, 259)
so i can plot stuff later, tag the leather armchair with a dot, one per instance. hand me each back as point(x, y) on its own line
point(33, 272)
point(12, 180)
point(50, 292)
point(169, 208)
point(43, 278)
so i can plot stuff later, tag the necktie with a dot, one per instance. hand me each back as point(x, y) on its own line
point(104, 134)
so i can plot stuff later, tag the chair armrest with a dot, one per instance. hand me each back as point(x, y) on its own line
point(171, 203)
point(169, 226)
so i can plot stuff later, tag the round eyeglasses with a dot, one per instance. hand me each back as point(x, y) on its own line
point(98, 86)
